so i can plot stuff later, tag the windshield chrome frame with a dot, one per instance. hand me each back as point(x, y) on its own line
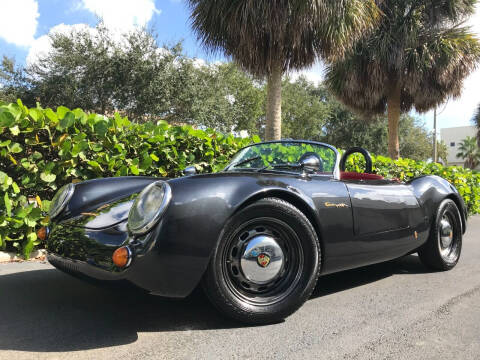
point(336, 169)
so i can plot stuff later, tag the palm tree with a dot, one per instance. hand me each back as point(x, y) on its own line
point(469, 151)
point(417, 57)
point(476, 121)
point(270, 37)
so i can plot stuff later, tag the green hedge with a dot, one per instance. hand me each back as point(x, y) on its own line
point(466, 181)
point(42, 149)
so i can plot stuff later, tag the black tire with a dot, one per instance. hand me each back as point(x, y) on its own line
point(435, 254)
point(226, 283)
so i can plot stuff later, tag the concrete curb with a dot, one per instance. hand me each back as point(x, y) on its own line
point(6, 257)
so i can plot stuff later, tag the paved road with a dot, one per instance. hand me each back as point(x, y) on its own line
point(396, 310)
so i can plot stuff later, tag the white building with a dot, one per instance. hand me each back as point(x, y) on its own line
point(453, 137)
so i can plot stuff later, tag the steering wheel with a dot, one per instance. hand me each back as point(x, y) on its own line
point(353, 150)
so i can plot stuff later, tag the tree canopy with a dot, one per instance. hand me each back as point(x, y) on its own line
point(416, 57)
point(270, 37)
point(148, 82)
point(469, 151)
point(102, 72)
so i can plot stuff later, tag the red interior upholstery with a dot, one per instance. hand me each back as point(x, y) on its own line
point(347, 175)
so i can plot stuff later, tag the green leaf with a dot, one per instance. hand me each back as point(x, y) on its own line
point(16, 148)
point(154, 157)
point(95, 165)
point(79, 147)
point(6, 119)
point(35, 114)
point(23, 212)
point(62, 111)
point(15, 130)
point(8, 204)
point(15, 187)
point(134, 170)
point(101, 128)
point(36, 155)
point(48, 178)
point(51, 116)
point(67, 121)
point(28, 247)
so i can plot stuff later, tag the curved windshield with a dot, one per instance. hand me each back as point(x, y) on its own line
point(282, 154)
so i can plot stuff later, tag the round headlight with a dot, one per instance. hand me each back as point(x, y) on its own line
point(149, 207)
point(60, 200)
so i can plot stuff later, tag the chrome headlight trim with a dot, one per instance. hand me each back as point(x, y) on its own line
point(147, 224)
point(60, 200)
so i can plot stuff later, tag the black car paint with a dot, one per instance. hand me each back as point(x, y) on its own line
point(171, 259)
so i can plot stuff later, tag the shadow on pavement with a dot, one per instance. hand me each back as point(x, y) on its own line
point(345, 280)
point(49, 311)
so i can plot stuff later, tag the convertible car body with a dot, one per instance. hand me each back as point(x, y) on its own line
point(256, 235)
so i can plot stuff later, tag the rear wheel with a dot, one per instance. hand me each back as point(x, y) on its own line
point(266, 263)
point(444, 245)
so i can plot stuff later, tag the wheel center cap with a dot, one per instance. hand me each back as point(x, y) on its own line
point(446, 233)
point(263, 260)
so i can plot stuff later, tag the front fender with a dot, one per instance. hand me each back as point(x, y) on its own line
point(198, 211)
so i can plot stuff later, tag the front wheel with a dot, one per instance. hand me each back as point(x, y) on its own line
point(444, 245)
point(266, 263)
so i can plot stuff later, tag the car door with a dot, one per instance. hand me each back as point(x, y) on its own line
point(385, 216)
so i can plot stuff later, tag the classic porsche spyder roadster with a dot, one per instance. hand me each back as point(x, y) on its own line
point(257, 235)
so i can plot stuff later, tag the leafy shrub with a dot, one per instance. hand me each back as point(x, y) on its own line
point(466, 181)
point(42, 149)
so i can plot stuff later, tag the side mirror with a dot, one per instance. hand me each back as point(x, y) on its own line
point(190, 170)
point(311, 162)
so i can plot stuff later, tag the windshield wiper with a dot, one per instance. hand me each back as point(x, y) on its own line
point(280, 166)
point(242, 162)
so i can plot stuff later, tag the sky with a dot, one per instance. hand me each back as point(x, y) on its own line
point(25, 25)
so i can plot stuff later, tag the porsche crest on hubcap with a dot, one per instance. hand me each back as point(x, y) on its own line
point(263, 260)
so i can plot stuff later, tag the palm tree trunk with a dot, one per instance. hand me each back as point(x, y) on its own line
point(273, 128)
point(393, 109)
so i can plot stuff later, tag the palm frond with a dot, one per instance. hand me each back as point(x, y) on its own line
point(262, 34)
point(420, 46)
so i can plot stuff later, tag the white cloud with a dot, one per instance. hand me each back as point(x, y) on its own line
point(313, 74)
point(122, 14)
point(42, 45)
point(19, 21)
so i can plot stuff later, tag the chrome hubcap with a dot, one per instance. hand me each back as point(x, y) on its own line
point(262, 259)
point(447, 240)
point(446, 233)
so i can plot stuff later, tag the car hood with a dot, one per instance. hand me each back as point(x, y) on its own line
point(103, 202)
point(106, 215)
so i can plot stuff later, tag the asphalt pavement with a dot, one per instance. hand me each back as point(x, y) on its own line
point(395, 310)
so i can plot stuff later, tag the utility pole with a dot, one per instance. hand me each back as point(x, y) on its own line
point(435, 151)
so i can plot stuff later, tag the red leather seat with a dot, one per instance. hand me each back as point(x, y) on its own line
point(347, 175)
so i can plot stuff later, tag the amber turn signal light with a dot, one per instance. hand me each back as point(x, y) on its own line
point(122, 256)
point(42, 233)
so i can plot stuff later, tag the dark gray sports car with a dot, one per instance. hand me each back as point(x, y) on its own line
point(257, 235)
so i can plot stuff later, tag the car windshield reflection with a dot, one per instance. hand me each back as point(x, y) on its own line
point(284, 155)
